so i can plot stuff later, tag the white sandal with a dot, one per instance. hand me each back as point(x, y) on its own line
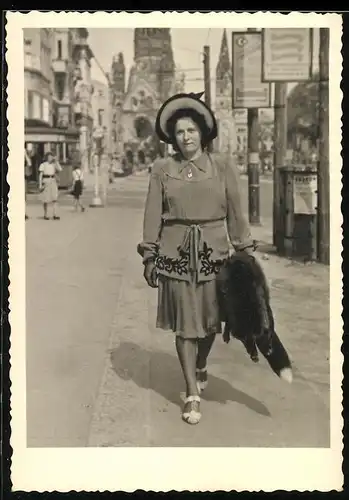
point(191, 411)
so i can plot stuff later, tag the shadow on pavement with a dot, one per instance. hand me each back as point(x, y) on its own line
point(160, 372)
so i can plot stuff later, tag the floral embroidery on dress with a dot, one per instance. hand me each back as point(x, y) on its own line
point(208, 265)
point(171, 265)
point(180, 266)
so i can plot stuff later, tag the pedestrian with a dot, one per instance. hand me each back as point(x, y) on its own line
point(27, 175)
point(78, 186)
point(48, 171)
point(193, 205)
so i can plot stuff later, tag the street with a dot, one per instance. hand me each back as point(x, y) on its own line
point(100, 374)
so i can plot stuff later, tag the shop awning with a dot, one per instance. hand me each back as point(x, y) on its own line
point(38, 132)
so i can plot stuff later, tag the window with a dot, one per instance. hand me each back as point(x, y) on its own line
point(100, 117)
point(26, 115)
point(59, 49)
point(60, 86)
point(30, 104)
point(36, 106)
point(45, 110)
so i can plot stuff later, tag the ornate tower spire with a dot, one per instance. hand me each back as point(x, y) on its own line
point(223, 66)
point(118, 73)
point(226, 141)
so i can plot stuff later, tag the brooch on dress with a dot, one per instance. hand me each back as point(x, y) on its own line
point(190, 174)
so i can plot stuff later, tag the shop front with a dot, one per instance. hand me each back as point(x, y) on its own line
point(63, 143)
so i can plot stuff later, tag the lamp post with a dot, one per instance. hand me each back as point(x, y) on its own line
point(96, 201)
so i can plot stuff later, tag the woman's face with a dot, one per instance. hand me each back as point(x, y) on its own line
point(188, 136)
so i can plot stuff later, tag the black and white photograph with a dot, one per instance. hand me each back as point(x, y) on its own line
point(174, 249)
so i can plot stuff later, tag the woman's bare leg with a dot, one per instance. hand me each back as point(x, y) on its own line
point(45, 209)
point(186, 350)
point(204, 349)
point(81, 205)
point(54, 210)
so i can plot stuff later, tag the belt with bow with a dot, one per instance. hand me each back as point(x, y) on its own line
point(191, 245)
point(192, 237)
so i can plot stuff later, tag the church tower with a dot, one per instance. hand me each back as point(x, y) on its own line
point(117, 83)
point(151, 81)
point(226, 141)
point(153, 57)
point(118, 74)
point(223, 78)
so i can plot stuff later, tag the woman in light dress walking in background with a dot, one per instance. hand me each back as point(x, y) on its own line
point(48, 172)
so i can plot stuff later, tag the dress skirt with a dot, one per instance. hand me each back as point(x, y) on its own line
point(50, 192)
point(77, 189)
point(189, 309)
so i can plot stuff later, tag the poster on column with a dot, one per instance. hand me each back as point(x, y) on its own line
point(287, 54)
point(248, 89)
point(305, 194)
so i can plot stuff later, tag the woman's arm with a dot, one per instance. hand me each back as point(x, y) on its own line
point(58, 167)
point(238, 228)
point(152, 216)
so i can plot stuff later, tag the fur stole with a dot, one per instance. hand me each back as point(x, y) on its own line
point(245, 304)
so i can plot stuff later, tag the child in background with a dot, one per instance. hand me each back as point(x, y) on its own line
point(77, 187)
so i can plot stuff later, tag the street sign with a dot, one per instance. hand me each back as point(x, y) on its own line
point(287, 54)
point(248, 89)
point(305, 194)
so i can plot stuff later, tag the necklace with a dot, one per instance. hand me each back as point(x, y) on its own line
point(190, 173)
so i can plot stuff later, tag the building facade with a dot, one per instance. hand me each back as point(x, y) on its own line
point(51, 75)
point(226, 141)
point(151, 81)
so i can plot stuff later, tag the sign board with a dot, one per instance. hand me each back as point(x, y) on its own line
point(287, 54)
point(305, 194)
point(248, 89)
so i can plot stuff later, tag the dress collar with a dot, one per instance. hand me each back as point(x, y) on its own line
point(201, 162)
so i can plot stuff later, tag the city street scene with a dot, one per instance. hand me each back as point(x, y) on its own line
point(100, 373)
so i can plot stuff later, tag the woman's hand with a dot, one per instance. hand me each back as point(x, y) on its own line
point(150, 274)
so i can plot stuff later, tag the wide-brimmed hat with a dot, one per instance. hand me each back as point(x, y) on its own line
point(184, 101)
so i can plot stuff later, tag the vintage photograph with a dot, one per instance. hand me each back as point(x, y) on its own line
point(176, 194)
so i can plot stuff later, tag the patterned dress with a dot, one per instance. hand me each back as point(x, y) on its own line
point(192, 210)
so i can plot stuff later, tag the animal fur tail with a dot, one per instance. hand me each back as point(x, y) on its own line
point(247, 313)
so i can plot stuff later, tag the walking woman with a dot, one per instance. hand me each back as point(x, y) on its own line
point(78, 185)
point(193, 207)
point(48, 171)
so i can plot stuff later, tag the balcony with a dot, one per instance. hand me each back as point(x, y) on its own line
point(60, 66)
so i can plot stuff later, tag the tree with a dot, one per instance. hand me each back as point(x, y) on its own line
point(303, 110)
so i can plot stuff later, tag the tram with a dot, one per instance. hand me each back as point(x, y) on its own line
point(64, 145)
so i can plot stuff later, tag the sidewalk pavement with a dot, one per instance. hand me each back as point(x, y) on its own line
point(100, 374)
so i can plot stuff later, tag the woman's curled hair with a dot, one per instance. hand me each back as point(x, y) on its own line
point(197, 118)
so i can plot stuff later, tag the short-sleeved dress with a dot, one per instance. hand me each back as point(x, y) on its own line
point(192, 210)
point(49, 181)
